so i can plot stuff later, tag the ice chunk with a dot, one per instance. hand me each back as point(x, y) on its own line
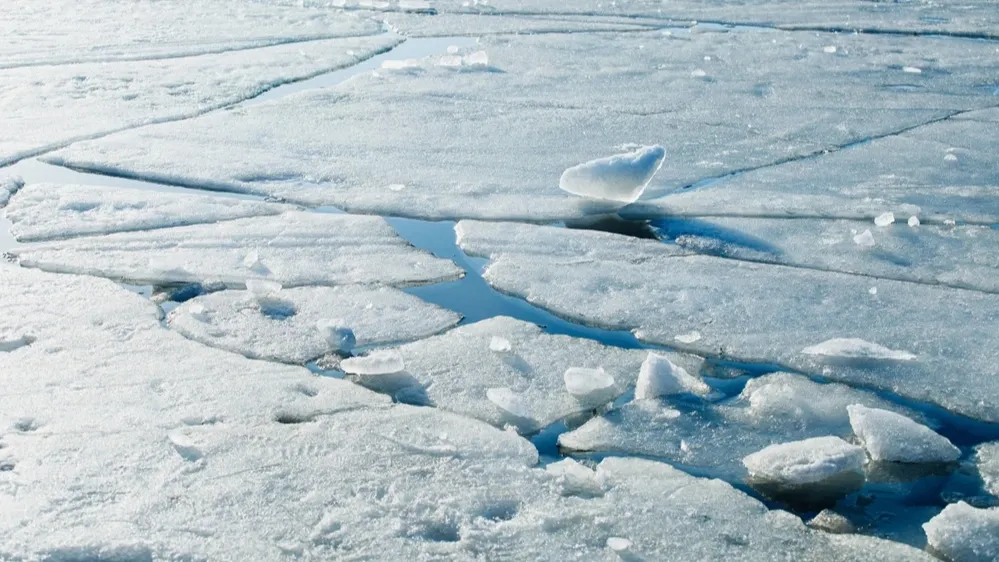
point(618, 544)
point(262, 288)
point(831, 522)
point(380, 362)
point(509, 402)
point(914, 221)
point(962, 533)
point(912, 69)
point(620, 178)
point(477, 58)
point(574, 479)
point(688, 338)
point(987, 456)
point(856, 348)
point(499, 345)
point(326, 319)
point(806, 462)
point(458, 367)
point(302, 249)
point(892, 437)
point(587, 384)
point(829, 49)
point(884, 219)
point(865, 238)
point(661, 377)
point(46, 211)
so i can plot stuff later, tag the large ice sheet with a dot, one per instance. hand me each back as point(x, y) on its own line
point(145, 445)
point(292, 249)
point(964, 256)
point(949, 16)
point(943, 171)
point(772, 409)
point(49, 107)
point(45, 211)
point(94, 30)
point(560, 100)
point(235, 321)
point(518, 379)
point(770, 314)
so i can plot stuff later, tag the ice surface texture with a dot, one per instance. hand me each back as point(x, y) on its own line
point(292, 249)
point(561, 100)
point(759, 313)
point(234, 321)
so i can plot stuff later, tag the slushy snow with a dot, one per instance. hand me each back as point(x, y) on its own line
point(621, 178)
point(892, 437)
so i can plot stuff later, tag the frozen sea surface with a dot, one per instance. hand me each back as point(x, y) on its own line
point(244, 313)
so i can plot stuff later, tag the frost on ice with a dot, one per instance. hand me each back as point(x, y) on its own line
point(621, 178)
point(292, 249)
point(47, 211)
point(892, 437)
point(962, 533)
point(321, 320)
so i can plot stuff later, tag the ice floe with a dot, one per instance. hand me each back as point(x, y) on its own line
point(524, 387)
point(292, 249)
point(987, 455)
point(558, 108)
point(810, 461)
point(49, 211)
point(962, 533)
point(761, 313)
point(234, 321)
point(892, 437)
point(49, 107)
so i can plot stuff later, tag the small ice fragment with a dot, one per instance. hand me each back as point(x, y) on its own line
point(963, 533)
point(509, 401)
point(865, 238)
point(262, 288)
point(856, 348)
point(950, 222)
point(340, 337)
point(698, 73)
point(884, 219)
point(449, 60)
point(688, 338)
point(831, 522)
point(950, 157)
point(806, 462)
point(892, 437)
point(913, 221)
point(618, 544)
point(661, 377)
point(587, 383)
point(574, 479)
point(829, 49)
point(196, 310)
point(453, 50)
point(873, 290)
point(478, 58)
point(396, 187)
point(499, 345)
point(912, 69)
point(620, 178)
point(382, 362)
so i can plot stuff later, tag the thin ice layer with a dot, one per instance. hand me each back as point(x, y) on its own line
point(457, 369)
point(201, 454)
point(560, 100)
point(941, 171)
point(45, 211)
point(769, 314)
point(959, 256)
point(292, 249)
point(234, 320)
point(52, 106)
point(771, 409)
point(94, 30)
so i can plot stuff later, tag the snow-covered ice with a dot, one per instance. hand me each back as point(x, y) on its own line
point(295, 248)
point(558, 108)
point(660, 377)
point(231, 320)
point(810, 461)
point(457, 370)
point(758, 313)
point(45, 211)
point(892, 437)
point(621, 178)
point(50, 106)
point(962, 533)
